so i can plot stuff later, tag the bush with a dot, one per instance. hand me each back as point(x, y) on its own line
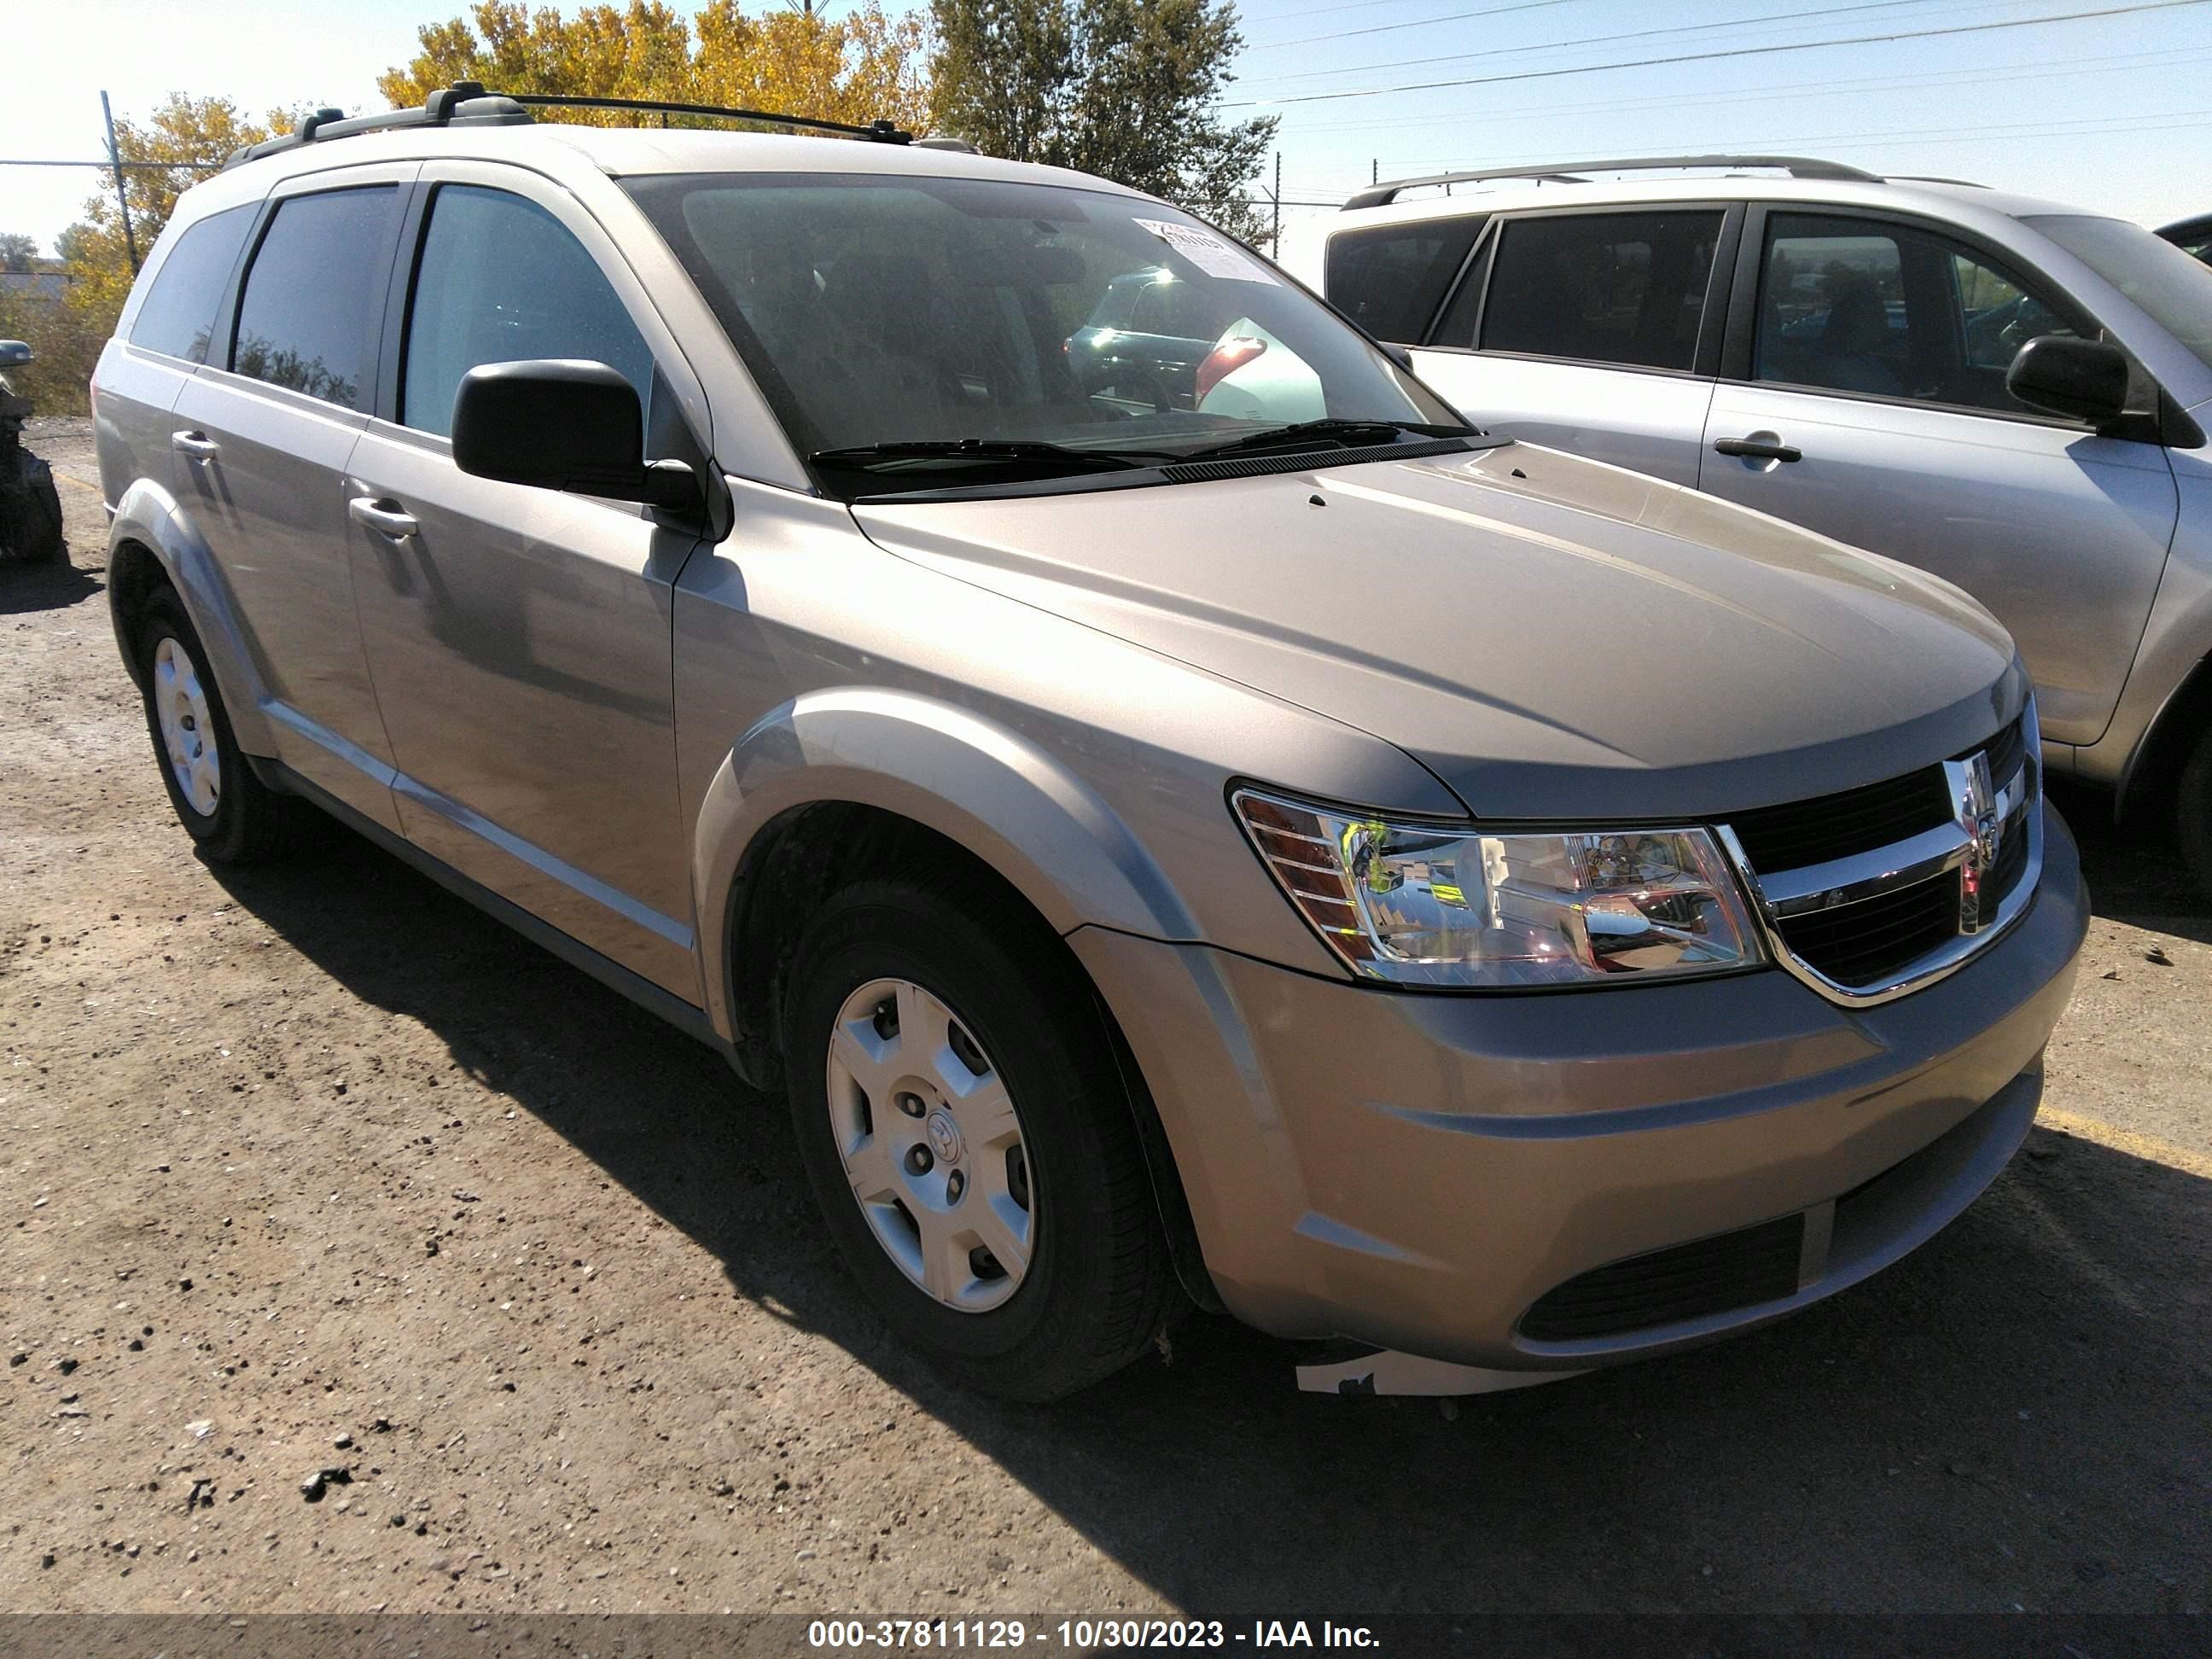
point(67, 342)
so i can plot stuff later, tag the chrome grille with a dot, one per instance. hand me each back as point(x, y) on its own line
point(1871, 893)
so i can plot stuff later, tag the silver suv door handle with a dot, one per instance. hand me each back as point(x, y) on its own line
point(197, 444)
point(1757, 449)
point(383, 517)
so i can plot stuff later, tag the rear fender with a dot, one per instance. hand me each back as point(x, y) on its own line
point(148, 517)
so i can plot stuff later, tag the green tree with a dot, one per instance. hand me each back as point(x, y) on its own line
point(1124, 88)
point(18, 253)
point(856, 68)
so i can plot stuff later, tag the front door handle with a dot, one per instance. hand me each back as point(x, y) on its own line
point(382, 517)
point(197, 444)
point(1758, 449)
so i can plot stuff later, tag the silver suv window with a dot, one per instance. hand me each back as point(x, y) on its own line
point(878, 309)
point(1850, 304)
point(304, 320)
point(176, 317)
point(501, 280)
point(1614, 288)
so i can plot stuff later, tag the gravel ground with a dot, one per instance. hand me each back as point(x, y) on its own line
point(314, 1175)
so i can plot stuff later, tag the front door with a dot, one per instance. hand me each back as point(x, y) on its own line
point(1872, 408)
point(262, 436)
point(1588, 331)
point(521, 638)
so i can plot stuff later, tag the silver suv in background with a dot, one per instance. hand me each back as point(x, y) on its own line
point(1418, 891)
point(2007, 393)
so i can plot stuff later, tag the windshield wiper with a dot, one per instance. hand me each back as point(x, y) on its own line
point(1310, 434)
point(984, 451)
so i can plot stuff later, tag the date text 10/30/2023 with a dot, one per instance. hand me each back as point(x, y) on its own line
point(1082, 1635)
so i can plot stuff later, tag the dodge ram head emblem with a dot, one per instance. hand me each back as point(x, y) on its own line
point(1975, 802)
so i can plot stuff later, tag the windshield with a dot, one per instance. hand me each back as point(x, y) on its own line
point(927, 332)
point(2173, 290)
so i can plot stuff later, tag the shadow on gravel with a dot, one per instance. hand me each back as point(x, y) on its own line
point(2135, 873)
point(46, 586)
point(2020, 1414)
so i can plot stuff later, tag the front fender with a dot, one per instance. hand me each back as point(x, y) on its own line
point(969, 778)
point(149, 517)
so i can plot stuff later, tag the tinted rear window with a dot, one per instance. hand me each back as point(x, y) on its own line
point(304, 321)
point(1391, 279)
point(1613, 287)
point(178, 314)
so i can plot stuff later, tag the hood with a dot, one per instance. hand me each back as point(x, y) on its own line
point(1551, 636)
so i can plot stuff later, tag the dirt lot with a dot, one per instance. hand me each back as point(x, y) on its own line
point(317, 1168)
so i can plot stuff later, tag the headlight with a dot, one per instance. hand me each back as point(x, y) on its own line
point(1427, 904)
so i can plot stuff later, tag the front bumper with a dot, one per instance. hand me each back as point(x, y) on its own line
point(1416, 1172)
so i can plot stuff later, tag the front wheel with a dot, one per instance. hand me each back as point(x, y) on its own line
point(963, 1126)
point(31, 515)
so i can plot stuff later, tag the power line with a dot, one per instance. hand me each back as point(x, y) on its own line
point(1608, 39)
point(1707, 56)
point(1450, 17)
point(1923, 81)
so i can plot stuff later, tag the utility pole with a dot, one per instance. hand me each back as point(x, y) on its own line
point(1275, 238)
point(122, 200)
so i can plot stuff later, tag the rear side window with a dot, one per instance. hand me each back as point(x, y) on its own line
point(176, 317)
point(1391, 279)
point(304, 320)
point(1615, 288)
point(501, 280)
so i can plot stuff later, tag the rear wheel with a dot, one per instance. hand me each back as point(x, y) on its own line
point(233, 817)
point(2192, 816)
point(963, 1126)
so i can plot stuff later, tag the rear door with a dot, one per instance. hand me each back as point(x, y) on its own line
point(1595, 331)
point(521, 638)
point(262, 433)
point(1864, 397)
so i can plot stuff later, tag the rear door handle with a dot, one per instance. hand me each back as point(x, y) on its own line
point(382, 517)
point(197, 444)
point(1756, 450)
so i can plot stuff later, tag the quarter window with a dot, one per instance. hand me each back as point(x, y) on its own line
point(304, 320)
point(1626, 288)
point(1391, 279)
point(176, 317)
point(501, 280)
point(1892, 311)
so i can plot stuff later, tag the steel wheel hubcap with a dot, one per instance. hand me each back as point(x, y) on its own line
point(180, 707)
point(932, 1144)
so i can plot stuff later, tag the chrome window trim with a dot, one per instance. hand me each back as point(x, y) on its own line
point(1812, 890)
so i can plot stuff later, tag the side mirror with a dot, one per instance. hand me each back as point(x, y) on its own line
point(13, 353)
point(563, 423)
point(2085, 380)
point(1402, 356)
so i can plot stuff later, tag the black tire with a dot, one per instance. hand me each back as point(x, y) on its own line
point(2192, 811)
point(250, 823)
point(1098, 1286)
point(32, 532)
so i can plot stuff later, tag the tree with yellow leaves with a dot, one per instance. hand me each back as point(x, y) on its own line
point(857, 68)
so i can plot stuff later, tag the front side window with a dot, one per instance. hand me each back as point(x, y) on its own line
point(1390, 280)
point(304, 320)
point(886, 312)
point(176, 317)
point(501, 280)
point(1893, 311)
point(1614, 288)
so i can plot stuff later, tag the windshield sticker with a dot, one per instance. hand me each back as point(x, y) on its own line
point(1209, 252)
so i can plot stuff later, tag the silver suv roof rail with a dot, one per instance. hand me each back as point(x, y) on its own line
point(1571, 172)
point(467, 103)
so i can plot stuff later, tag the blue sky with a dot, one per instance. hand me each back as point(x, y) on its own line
point(2108, 112)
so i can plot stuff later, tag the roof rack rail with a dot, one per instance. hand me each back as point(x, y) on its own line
point(1571, 172)
point(467, 103)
